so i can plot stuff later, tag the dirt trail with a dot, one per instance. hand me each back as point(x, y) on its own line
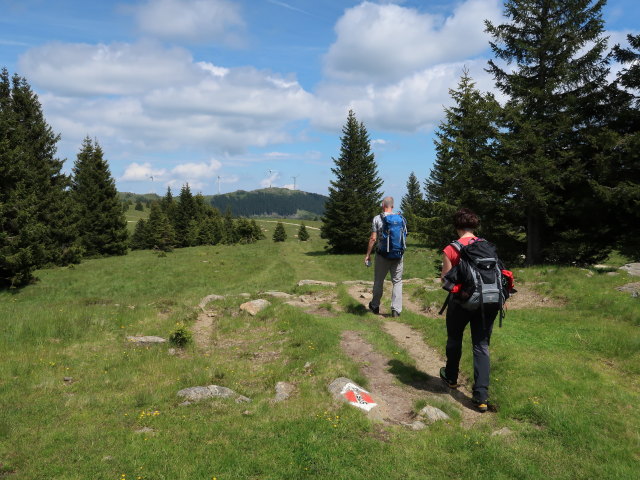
point(428, 360)
point(395, 402)
point(202, 330)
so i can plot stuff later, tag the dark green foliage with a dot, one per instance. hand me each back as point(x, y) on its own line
point(280, 202)
point(552, 121)
point(258, 234)
point(160, 232)
point(102, 225)
point(36, 214)
point(303, 235)
point(412, 204)
point(279, 234)
point(468, 172)
point(185, 214)
point(181, 336)
point(139, 239)
point(229, 233)
point(139, 206)
point(248, 231)
point(619, 182)
point(354, 195)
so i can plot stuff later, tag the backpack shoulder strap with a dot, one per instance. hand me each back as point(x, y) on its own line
point(457, 245)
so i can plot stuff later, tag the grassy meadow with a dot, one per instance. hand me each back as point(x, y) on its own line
point(565, 379)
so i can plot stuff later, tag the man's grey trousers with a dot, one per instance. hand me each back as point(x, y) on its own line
point(381, 268)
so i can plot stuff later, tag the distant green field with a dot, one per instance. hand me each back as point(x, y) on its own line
point(565, 379)
point(132, 215)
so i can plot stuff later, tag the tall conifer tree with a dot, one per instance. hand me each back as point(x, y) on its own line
point(102, 224)
point(554, 87)
point(354, 196)
point(467, 171)
point(36, 214)
point(412, 204)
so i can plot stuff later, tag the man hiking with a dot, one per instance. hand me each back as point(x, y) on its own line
point(388, 231)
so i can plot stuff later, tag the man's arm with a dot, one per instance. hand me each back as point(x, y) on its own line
point(372, 242)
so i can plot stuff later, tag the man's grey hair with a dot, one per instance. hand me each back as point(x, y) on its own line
point(387, 202)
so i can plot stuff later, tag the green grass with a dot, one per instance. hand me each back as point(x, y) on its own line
point(565, 379)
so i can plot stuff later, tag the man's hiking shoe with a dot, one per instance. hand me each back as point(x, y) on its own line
point(375, 310)
point(481, 406)
point(443, 376)
point(394, 313)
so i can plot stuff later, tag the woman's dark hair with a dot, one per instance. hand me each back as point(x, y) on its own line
point(465, 219)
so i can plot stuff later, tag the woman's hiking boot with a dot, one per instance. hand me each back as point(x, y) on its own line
point(481, 405)
point(443, 376)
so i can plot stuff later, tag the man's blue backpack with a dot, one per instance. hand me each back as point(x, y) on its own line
point(393, 241)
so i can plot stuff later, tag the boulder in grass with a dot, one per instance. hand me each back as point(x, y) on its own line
point(632, 269)
point(209, 298)
point(316, 282)
point(283, 391)
point(255, 306)
point(278, 294)
point(146, 341)
point(433, 414)
point(195, 394)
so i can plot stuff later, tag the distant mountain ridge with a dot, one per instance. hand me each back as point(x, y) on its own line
point(277, 202)
point(265, 202)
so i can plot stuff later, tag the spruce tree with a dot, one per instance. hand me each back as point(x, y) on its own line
point(140, 236)
point(354, 196)
point(554, 83)
point(412, 204)
point(619, 185)
point(279, 234)
point(160, 232)
point(185, 215)
point(258, 234)
point(303, 235)
point(139, 207)
point(229, 232)
point(36, 213)
point(467, 171)
point(102, 224)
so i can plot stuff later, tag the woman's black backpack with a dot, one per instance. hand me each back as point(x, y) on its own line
point(479, 281)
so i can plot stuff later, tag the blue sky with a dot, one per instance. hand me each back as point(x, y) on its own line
point(245, 94)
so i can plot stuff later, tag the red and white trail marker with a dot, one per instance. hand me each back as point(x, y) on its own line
point(358, 397)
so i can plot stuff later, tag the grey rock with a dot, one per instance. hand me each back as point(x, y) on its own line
point(612, 274)
point(630, 288)
point(209, 298)
point(433, 414)
point(172, 351)
point(242, 399)
point(316, 282)
point(417, 425)
point(255, 306)
point(632, 269)
point(504, 431)
point(283, 391)
point(199, 393)
point(146, 341)
point(278, 294)
point(68, 380)
point(339, 385)
point(145, 430)
point(244, 295)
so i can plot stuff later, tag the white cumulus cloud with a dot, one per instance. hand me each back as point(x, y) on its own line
point(385, 42)
point(195, 21)
point(136, 172)
point(78, 69)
